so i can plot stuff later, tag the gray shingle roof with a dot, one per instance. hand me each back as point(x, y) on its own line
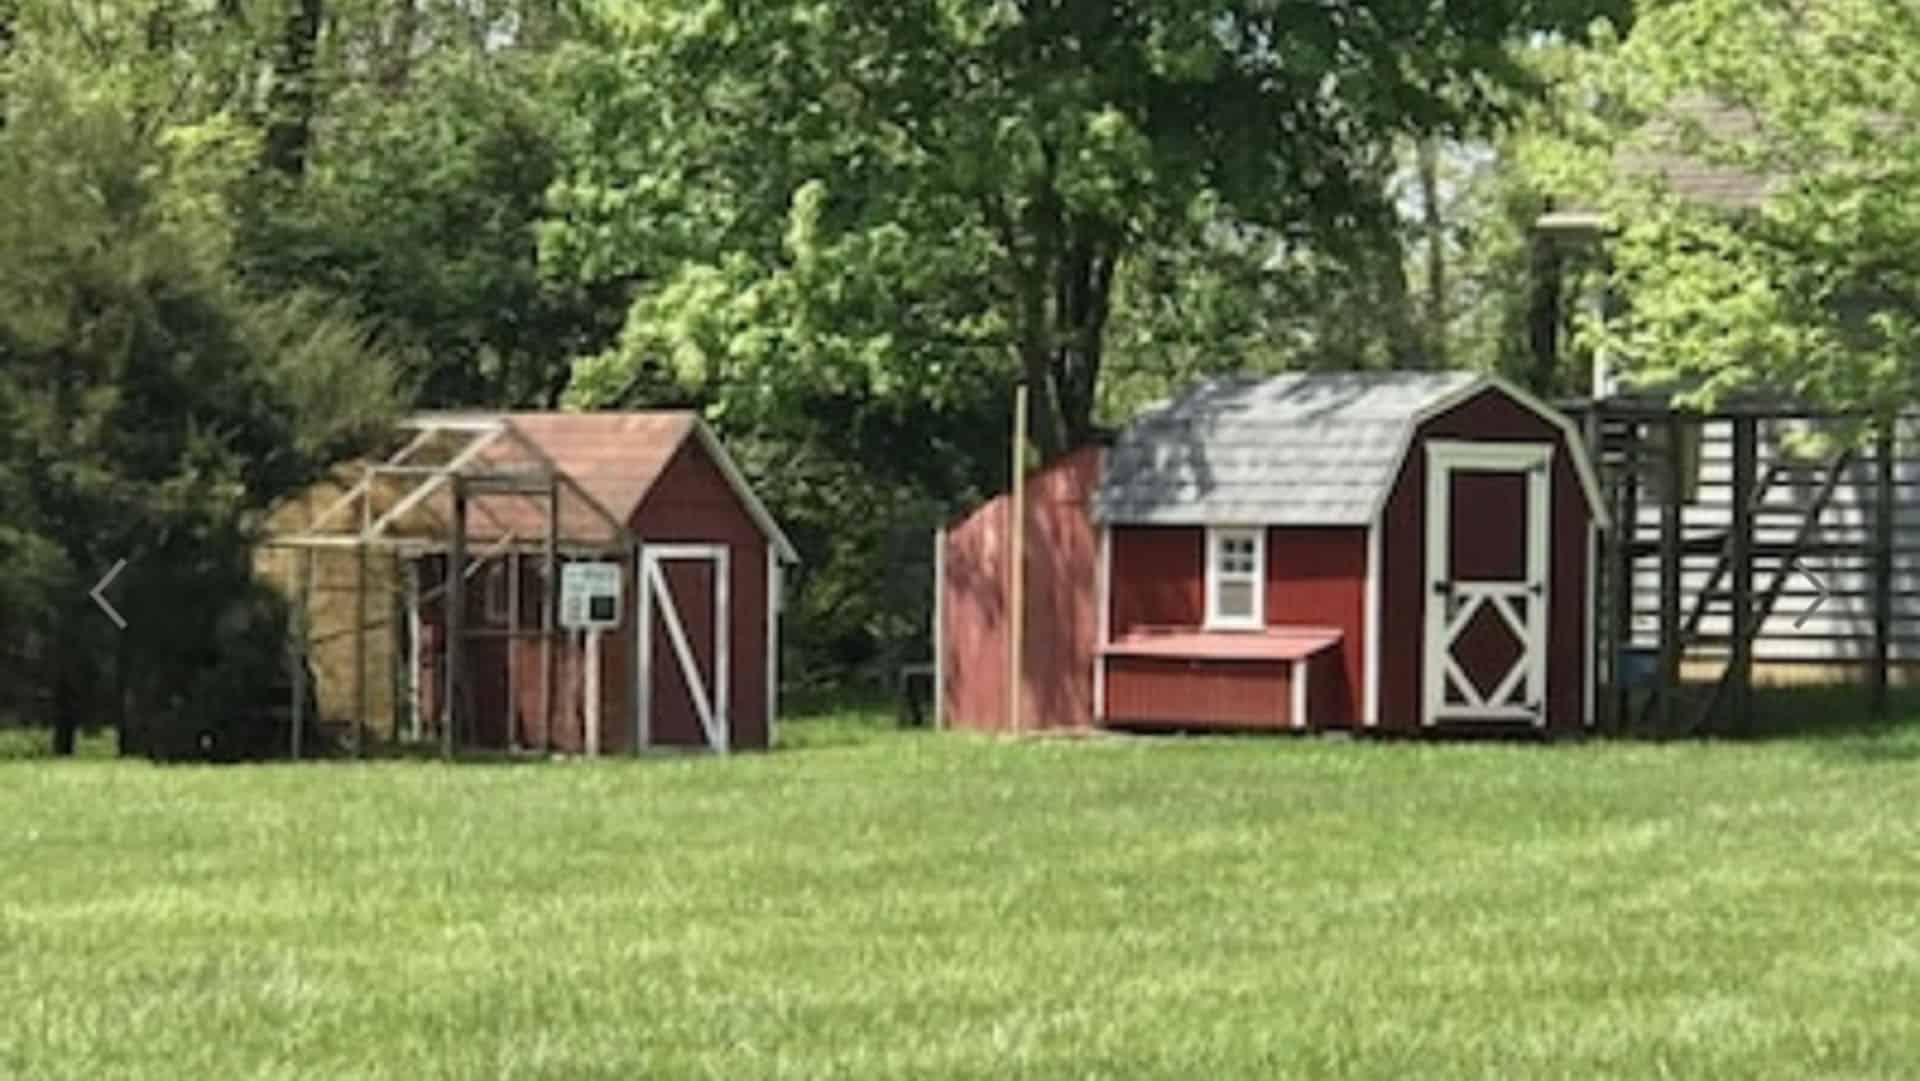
point(1298, 449)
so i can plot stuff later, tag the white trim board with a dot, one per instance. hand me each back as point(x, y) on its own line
point(758, 510)
point(1370, 622)
point(1529, 673)
point(1575, 441)
point(710, 704)
point(1103, 610)
point(774, 602)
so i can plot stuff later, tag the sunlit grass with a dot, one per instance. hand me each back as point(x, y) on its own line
point(875, 904)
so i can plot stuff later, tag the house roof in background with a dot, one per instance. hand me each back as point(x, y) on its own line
point(1691, 176)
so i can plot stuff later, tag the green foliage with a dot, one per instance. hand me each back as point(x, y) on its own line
point(1812, 292)
point(915, 199)
point(148, 402)
point(419, 210)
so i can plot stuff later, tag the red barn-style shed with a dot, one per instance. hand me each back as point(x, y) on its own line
point(1381, 551)
point(693, 661)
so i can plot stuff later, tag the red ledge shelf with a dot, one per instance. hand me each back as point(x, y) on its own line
point(1271, 644)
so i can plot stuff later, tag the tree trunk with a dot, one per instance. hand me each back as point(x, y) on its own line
point(1434, 229)
point(290, 132)
point(397, 72)
point(1543, 316)
point(66, 697)
point(1083, 299)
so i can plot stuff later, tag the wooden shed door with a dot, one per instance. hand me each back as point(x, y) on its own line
point(1488, 567)
point(683, 646)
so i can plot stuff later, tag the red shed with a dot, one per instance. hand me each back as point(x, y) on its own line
point(1391, 551)
point(692, 661)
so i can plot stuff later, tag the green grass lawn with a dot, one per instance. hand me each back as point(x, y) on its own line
point(911, 905)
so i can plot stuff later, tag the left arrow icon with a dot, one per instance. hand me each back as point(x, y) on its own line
point(99, 598)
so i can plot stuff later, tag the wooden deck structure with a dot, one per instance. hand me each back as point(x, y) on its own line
point(1734, 552)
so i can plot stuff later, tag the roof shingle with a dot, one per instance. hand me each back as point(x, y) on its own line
point(1297, 449)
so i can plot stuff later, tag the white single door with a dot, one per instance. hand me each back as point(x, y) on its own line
point(1488, 571)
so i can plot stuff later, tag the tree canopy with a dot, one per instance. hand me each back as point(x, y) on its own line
point(911, 199)
point(1803, 281)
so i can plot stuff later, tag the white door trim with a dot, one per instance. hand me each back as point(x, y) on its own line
point(709, 703)
point(1370, 694)
point(1535, 460)
point(1103, 611)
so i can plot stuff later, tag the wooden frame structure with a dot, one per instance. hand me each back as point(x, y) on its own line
point(1727, 549)
point(422, 500)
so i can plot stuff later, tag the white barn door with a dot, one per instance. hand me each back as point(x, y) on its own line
point(1488, 580)
point(682, 596)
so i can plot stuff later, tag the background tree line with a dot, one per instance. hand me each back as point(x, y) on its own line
point(242, 234)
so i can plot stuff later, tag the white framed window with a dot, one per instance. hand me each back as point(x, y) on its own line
point(1236, 578)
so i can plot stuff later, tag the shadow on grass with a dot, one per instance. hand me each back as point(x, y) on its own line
point(1838, 722)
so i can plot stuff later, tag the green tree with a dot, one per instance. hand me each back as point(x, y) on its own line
point(148, 404)
point(420, 210)
point(902, 196)
point(1812, 288)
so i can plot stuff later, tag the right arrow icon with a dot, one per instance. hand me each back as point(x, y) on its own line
point(99, 598)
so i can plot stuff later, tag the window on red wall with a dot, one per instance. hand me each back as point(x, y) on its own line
point(1236, 578)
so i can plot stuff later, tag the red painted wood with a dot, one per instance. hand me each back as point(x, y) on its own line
point(1062, 560)
point(1272, 644)
point(1316, 576)
point(1159, 577)
point(689, 501)
point(1160, 691)
point(692, 503)
point(1487, 417)
point(1319, 576)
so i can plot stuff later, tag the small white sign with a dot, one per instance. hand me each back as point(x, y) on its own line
point(590, 596)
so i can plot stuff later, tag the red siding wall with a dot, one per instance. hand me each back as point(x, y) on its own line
point(1159, 577)
point(1489, 417)
point(691, 502)
point(1062, 554)
point(1315, 576)
point(1229, 694)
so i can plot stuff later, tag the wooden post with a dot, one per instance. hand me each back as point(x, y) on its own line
point(643, 648)
point(1883, 527)
point(359, 645)
point(456, 621)
point(302, 604)
point(1740, 559)
point(513, 648)
point(1599, 667)
point(1016, 560)
point(592, 692)
point(1625, 535)
point(549, 589)
point(396, 646)
point(416, 653)
point(939, 613)
point(1671, 648)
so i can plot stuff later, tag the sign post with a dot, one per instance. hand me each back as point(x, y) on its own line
point(590, 603)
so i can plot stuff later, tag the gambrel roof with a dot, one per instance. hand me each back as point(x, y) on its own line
point(1287, 450)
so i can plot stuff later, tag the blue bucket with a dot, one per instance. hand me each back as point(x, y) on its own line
point(1638, 667)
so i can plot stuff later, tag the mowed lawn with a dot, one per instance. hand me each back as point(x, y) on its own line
point(912, 905)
